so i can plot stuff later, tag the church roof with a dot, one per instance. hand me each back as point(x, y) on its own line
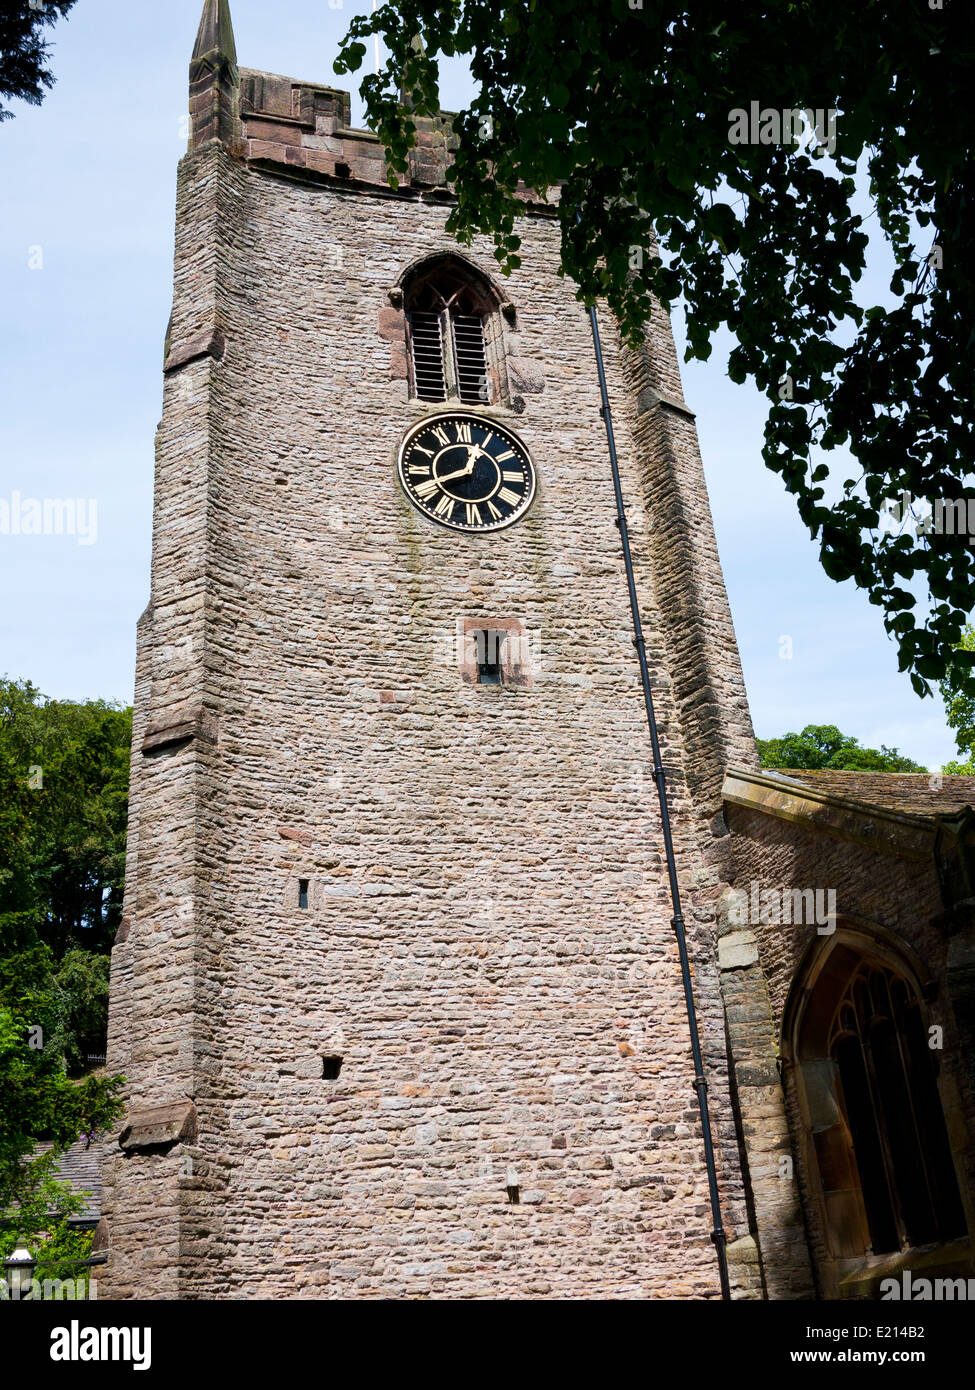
point(81, 1168)
point(911, 793)
point(892, 813)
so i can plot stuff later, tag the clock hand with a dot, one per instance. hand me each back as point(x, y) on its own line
point(479, 449)
point(468, 468)
point(461, 473)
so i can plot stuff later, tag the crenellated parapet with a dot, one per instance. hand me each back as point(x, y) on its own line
point(272, 121)
point(305, 126)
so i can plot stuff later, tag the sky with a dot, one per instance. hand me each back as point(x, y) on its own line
point(86, 250)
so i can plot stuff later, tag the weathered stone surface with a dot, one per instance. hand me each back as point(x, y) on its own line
point(524, 375)
point(209, 343)
point(794, 834)
point(154, 1126)
point(737, 949)
point(171, 729)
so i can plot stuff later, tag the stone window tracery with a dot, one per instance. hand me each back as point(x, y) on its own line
point(453, 334)
point(878, 1143)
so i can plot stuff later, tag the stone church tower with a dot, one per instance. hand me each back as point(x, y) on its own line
point(396, 992)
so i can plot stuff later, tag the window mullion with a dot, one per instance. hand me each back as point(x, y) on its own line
point(909, 1088)
point(451, 376)
point(866, 1047)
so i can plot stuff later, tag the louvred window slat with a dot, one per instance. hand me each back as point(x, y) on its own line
point(446, 312)
point(428, 364)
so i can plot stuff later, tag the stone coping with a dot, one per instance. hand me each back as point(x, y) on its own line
point(885, 831)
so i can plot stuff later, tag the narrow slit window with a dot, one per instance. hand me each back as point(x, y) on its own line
point(489, 657)
point(302, 892)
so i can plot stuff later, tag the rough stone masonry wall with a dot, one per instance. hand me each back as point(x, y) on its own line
point(487, 944)
point(898, 895)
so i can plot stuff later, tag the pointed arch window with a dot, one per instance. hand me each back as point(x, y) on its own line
point(890, 1101)
point(876, 1127)
point(451, 324)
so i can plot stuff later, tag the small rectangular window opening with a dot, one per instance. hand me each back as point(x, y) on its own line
point(342, 171)
point(489, 657)
point(331, 1066)
point(302, 892)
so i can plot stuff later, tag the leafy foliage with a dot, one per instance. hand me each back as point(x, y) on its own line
point(957, 767)
point(44, 1207)
point(627, 104)
point(960, 713)
point(64, 770)
point(39, 1102)
point(63, 798)
point(24, 50)
point(82, 981)
point(823, 746)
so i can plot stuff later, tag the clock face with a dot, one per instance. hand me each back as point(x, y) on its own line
point(466, 472)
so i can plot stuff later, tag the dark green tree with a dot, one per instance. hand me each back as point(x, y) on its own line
point(39, 1102)
point(960, 713)
point(823, 746)
point(82, 980)
point(630, 106)
point(64, 771)
point(63, 790)
point(24, 50)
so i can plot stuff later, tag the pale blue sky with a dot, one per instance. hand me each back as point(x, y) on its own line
point(89, 187)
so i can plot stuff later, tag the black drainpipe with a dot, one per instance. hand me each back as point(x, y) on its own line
point(677, 921)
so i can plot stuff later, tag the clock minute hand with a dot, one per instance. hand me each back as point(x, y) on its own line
point(486, 453)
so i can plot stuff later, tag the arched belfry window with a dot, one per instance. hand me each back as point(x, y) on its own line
point(875, 1125)
point(452, 325)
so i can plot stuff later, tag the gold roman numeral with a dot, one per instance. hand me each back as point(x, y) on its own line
point(511, 475)
point(419, 449)
point(444, 507)
point(473, 514)
point(419, 470)
point(463, 432)
point(427, 489)
point(441, 434)
point(508, 454)
point(493, 510)
point(506, 495)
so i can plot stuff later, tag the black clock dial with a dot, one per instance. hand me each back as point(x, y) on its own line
point(466, 472)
